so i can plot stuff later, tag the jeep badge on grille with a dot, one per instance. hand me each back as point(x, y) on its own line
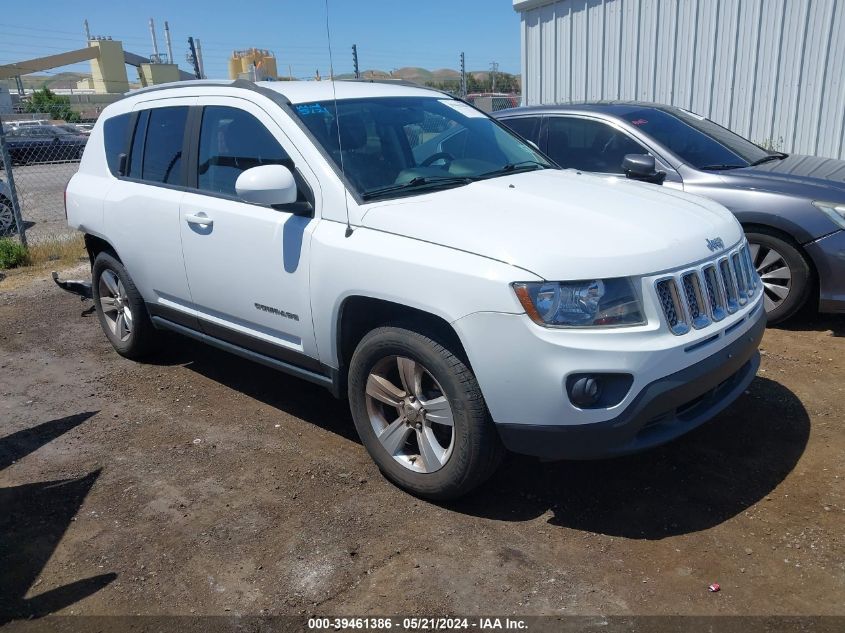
point(716, 244)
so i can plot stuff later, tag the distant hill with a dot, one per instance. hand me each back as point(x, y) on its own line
point(423, 76)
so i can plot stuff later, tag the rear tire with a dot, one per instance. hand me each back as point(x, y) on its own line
point(121, 309)
point(785, 271)
point(428, 429)
point(8, 226)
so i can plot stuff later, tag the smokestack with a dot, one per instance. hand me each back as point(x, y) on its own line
point(87, 32)
point(199, 59)
point(169, 44)
point(153, 34)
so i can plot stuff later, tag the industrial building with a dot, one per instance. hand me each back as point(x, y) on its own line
point(254, 63)
point(770, 70)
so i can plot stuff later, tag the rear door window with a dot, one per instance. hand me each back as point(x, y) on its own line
point(162, 162)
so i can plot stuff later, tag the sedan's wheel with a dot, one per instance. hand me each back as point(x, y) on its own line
point(120, 308)
point(411, 416)
point(784, 271)
point(420, 413)
point(7, 218)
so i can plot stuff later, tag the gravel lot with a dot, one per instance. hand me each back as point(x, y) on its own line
point(200, 483)
point(41, 194)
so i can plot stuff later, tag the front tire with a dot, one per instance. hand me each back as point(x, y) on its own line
point(420, 414)
point(121, 309)
point(784, 270)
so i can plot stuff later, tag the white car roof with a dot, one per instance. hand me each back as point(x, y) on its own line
point(307, 91)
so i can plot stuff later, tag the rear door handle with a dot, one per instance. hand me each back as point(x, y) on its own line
point(200, 218)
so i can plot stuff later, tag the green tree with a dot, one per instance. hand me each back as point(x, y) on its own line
point(48, 102)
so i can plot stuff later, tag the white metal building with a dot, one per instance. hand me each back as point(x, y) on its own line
point(771, 70)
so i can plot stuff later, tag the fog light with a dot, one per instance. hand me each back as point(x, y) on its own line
point(597, 391)
point(585, 392)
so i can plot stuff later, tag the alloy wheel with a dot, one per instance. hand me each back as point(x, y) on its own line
point(410, 414)
point(115, 305)
point(775, 274)
point(7, 219)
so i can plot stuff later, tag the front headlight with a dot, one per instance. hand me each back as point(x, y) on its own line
point(589, 303)
point(834, 210)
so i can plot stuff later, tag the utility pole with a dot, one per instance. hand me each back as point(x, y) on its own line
point(494, 68)
point(463, 75)
point(87, 32)
point(355, 61)
point(193, 58)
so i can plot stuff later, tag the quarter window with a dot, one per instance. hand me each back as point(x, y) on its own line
point(116, 134)
point(589, 145)
point(232, 141)
point(163, 146)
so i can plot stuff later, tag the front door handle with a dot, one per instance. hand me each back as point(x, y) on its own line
point(200, 218)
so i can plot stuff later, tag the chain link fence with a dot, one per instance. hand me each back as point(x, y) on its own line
point(494, 102)
point(37, 158)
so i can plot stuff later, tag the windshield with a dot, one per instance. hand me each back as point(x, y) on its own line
point(696, 140)
point(402, 145)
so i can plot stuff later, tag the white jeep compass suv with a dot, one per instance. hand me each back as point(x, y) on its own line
point(403, 249)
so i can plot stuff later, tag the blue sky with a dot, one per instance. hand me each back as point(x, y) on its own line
point(389, 33)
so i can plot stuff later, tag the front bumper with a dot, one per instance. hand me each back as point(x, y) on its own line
point(662, 411)
point(828, 254)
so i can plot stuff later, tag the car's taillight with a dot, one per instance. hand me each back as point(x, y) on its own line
point(66, 186)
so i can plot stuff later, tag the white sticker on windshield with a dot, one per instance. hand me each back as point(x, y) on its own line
point(464, 108)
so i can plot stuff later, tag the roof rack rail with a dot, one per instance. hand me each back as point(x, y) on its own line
point(181, 84)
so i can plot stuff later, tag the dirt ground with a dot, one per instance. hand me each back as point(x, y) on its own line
point(198, 483)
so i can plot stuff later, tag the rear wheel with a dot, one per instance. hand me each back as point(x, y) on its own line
point(784, 270)
point(420, 414)
point(120, 308)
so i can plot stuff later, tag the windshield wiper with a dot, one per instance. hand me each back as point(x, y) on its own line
point(418, 183)
point(718, 167)
point(525, 165)
point(771, 157)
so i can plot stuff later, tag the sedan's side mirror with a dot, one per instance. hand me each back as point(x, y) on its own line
point(642, 167)
point(267, 184)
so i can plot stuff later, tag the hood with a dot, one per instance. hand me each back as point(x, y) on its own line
point(802, 176)
point(561, 225)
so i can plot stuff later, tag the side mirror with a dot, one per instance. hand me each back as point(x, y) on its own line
point(642, 167)
point(267, 184)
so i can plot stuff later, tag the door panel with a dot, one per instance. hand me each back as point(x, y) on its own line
point(143, 222)
point(247, 264)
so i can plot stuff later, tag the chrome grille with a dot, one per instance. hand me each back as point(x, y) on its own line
point(695, 301)
point(667, 293)
point(730, 286)
point(707, 293)
point(741, 281)
point(715, 293)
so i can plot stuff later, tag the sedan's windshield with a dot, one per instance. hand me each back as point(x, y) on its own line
point(400, 145)
point(698, 141)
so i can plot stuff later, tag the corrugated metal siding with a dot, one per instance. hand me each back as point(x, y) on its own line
point(771, 70)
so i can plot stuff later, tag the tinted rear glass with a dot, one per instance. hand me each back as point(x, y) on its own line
point(116, 139)
point(163, 147)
